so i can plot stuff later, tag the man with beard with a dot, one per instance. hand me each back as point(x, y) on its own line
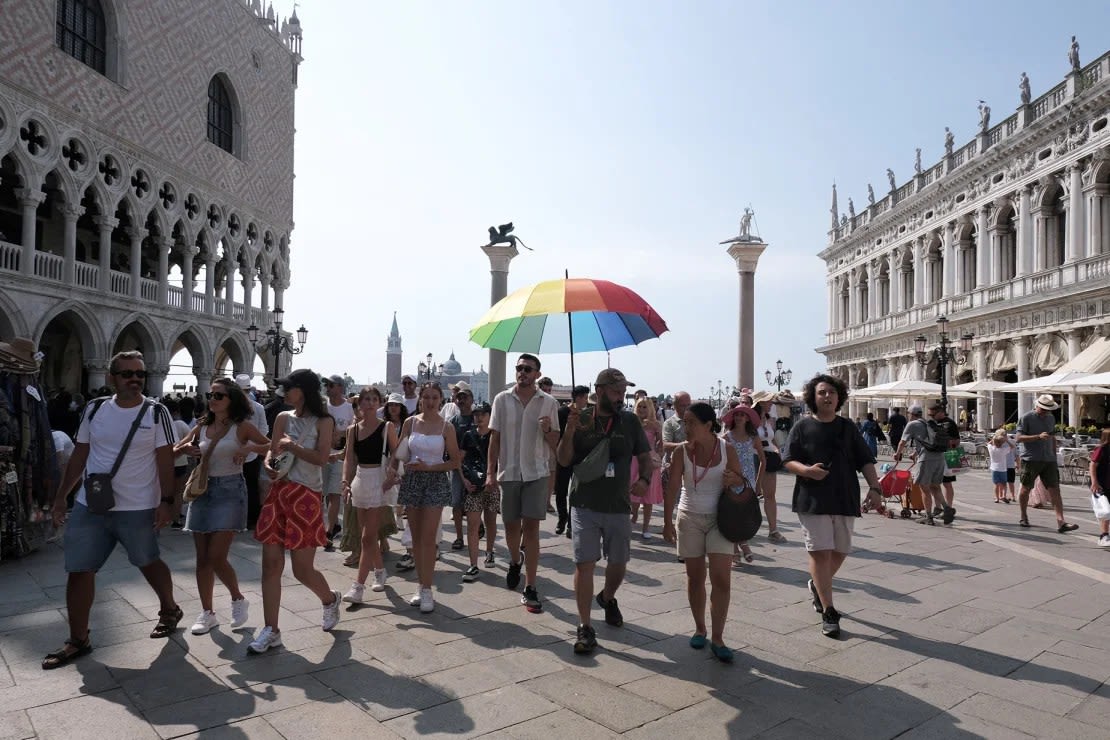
point(599, 496)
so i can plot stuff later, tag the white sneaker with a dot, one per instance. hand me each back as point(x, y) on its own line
point(427, 601)
point(354, 595)
point(414, 600)
point(331, 613)
point(646, 536)
point(1104, 540)
point(239, 611)
point(266, 639)
point(205, 621)
point(379, 580)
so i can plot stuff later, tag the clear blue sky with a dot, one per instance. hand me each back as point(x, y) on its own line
point(624, 140)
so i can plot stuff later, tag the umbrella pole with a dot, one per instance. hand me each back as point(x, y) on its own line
point(570, 332)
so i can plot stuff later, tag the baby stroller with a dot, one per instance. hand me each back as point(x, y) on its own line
point(898, 486)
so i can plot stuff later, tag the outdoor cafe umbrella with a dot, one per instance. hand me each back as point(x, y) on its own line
point(569, 315)
point(908, 388)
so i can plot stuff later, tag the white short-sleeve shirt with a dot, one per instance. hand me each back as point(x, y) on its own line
point(524, 453)
point(136, 484)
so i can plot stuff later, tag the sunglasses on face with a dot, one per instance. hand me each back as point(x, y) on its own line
point(215, 395)
point(525, 369)
point(128, 374)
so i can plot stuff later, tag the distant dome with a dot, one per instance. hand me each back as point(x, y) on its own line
point(452, 366)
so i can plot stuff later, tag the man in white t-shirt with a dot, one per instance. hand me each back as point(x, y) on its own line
point(252, 465)
point(408, 389)
point(344, 414)
point(143, 501)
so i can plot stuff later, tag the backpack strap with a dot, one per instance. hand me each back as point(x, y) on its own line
point(96, 404)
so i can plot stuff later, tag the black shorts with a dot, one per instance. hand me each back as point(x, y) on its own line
point(1011, 475)
point(180, 471)
point(948, 479)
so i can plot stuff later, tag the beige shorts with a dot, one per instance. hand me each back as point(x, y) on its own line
point(828, 532)
point(698, 536)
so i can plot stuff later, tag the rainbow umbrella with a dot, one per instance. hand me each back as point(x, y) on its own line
point(568, 316)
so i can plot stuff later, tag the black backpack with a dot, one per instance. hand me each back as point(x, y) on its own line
point(939, 439)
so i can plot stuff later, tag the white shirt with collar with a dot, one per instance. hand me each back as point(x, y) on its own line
point(524, 453)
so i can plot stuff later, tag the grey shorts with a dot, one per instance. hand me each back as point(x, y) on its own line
point(523, 499)
point(594, 533)
point(930, 470)
point(333, 478)
point(458, 491)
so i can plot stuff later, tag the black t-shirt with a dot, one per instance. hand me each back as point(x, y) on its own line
point(626, 439)
point(897, 426)
point(838, 444)
point(475, 449)
point(951, 430)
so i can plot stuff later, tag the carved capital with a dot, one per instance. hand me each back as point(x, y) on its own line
point(72, 212)
point(107, 223)
point(136, 233)
point(30, 197)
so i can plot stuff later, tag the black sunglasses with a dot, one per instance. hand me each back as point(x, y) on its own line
point(525, 369)
point(128, 374)
point(215, 395)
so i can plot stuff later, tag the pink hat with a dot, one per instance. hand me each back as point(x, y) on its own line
point(730, 416)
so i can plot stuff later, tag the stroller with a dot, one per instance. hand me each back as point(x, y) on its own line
point(898, 486)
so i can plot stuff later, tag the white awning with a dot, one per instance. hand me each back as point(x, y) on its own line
point(1094, 359)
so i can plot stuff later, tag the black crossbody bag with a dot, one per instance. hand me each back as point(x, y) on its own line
point(100, 497)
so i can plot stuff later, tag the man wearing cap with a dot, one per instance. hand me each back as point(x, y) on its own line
point(930, 471)
point(600, 506)
point(1036, 433)
point(463, 420)
point(252, 464)
point(524, 429)
point(344, 414)
point(941, 418)
point(408, 390)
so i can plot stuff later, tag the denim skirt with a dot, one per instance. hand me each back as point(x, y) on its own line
point(223, 507)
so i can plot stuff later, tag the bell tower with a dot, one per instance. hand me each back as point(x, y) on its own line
point(393, 356)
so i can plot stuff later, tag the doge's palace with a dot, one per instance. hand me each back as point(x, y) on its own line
point(146, 181)
point(1008, 236)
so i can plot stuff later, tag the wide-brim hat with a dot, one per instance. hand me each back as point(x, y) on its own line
point(1047, 402)
point(461, 386)
point(395, 398)
point(19, 353)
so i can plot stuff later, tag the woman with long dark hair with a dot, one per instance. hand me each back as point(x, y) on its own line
point(225, 436)
point(292, 517)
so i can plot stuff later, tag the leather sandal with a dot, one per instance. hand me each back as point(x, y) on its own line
point(59, 658)
point(167, 622)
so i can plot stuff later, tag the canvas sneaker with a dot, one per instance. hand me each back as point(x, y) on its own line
point(1104, 540)
point(354, 594)
point(331, 613)
point(414, 600)
point(830, 623)
point(379, 580)
point(471, 574)
point(427, 601)
point(266, 639)
point(239, 611)
point(816, 598)
point(531, 600)
point(407, 562)
point(490, 560)
point(586, 641)
point(205, 622)
point(948, 515)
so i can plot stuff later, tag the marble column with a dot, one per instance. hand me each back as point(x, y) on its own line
point(919, 271)
point(29, 201)
point(1095, 218)
point(264, 304)
point(1074, 338)
point(204, 380)
point(1024, 236)
point(156, 380)
point(1021, 357)
point(104, 266)
point(894, 272)
point(500, 256)
point(98, 373)
point(853, 303)
point(873, 291)
point(1076, 246)
point(982, 248)
point(229, 287)
point(982, 403)
point(187, 255)
point(137, 235)
point(70, 214)
point(210, 283)
point(248, 290)
point(164, 245)
point(948, 246)
point(832, 305)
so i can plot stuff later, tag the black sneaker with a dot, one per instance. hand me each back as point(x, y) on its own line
point(830, 623)
point(1067, 528)
point(335, 531)
point(938, 510)
point(816, 599)
point(457, 544)
point(927, 520)
point(471, 574)
point(531, 600)
point(613, 614)
point(512, 578)
point(587, 640)
point(949, 515)
point(490, 560)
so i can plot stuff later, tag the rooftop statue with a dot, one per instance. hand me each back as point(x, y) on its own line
point(984, 116)
point(851, 210)
point(1073, 55)
point(870, 194)
point(890, 178)
point(503, 235)
point(746, 224)
point(949, 142)
point(1023, 85)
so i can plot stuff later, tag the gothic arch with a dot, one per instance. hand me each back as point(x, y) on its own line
point(234, 347)
point(87, 327)
point(238, 128)
point(195, 340)
point(149, 339)
point(12, 321)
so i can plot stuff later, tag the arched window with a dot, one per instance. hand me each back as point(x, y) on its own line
point(221, 116)
point(81, 32)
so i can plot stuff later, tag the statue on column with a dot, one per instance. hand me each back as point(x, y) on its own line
point(870, 194)
point(890, 179)
point(503, 235)
point(746, 224)
point(1023, 85)
point(1073, 55)
point(984, 116)
point(949, 142)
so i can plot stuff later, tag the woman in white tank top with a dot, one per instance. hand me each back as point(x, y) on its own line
point(225, 436)
point(705, 467)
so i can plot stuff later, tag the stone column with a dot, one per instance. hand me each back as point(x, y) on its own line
point(995, 241)
point(1024, 237)
point(264, 307)
point(873, 291)
point(894, 273)
point(919, 271)
point(156, 380)
point(746, 255)
point(831, 284)
point(853, 302)
point(137, 236)
point(982, 248)
point(1095, 229)
point(982, 403)
point(164, 245)
point(248, 289)
point(948, 246)
point(98, 373)
point(104, 267)
point(1076, 247)
point(187, 255)
point(210, 283)
point(70, 214)
point(1021, 356)
point(500, 256)
point(279, 300)
point(1073, 337)
point(204, 380)
point(29, 201)
point(229, 287)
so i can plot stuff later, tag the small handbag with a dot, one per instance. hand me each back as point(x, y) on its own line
point(197, 483)
point(100, 497)
point(738, 515)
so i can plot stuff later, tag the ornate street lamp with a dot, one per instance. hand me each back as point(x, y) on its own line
point(428, 370)
point(947, 351)
point(780, 378)
point(275, 342)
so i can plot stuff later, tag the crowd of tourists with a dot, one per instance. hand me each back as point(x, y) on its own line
point(287, 471)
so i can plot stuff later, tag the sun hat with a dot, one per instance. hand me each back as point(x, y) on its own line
point(243, 381)
point(1047, 402)
point(461, 386)
point(395, 398)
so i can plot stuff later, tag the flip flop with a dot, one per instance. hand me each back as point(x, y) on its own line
point(59, 658)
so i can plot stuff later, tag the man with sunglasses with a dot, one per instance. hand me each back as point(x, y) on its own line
point(524, 428)
point(408, 389)
point(142, 501)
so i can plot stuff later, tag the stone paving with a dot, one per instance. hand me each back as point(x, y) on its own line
point(976, 630)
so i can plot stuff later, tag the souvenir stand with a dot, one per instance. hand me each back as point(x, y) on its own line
point(28, 466)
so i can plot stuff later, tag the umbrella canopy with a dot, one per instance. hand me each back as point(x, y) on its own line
point(1049, 383)
point(982, 385)
point(569, 315)
point(910, 388)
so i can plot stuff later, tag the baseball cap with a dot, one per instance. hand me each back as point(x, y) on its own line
point(335, 380)
point(482, 408)
point(612, 376)
point(304, 379)
point(406, 376)
point(915, 411)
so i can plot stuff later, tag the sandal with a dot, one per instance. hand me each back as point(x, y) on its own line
point(59, 658)
point(351, 562)
point(698, 641)
point(747, 552)
point(1023, 522)
point(167, 622)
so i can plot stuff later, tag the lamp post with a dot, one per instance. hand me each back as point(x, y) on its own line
point(275, 342)
point(428, 370)
point(780, 378)
point(947, 351)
